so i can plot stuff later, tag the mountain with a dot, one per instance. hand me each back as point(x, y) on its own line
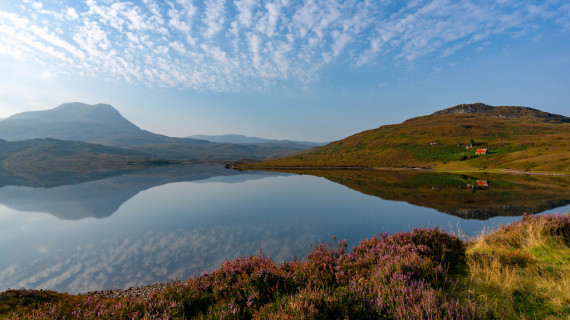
point(515, 138)
point(100, 123)
point(238, 138)
point(103, 124)
point(102, 114)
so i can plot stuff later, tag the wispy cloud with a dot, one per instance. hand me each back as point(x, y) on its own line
point(223, 45)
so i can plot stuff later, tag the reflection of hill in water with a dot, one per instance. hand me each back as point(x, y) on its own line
point(96, 194)
point(459, 195)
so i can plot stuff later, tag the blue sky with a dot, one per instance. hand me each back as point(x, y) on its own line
point(305, 70)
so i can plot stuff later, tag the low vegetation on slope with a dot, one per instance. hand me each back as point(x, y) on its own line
point(516, 138)
point(519, 271)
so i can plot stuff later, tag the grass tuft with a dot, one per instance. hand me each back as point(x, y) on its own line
point(521, 271)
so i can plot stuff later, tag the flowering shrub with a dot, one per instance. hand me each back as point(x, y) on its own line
point(401, 276)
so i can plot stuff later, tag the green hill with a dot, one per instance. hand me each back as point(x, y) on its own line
point(516, 138)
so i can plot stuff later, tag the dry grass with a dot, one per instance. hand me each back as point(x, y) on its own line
point(522, 271)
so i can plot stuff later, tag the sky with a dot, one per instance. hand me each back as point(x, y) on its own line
point(283, 69)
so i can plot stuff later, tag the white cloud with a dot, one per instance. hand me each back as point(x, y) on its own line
point(93, 39)
point(214, 17)
point(245, 11)
point(269, 19)
point(254, 44)
point(72, 14)
point(235, 45)
point(178, 47)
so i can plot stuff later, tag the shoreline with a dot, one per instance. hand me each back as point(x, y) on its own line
point(457, 171)
point(142, 291)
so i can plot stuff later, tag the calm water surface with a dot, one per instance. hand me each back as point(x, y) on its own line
point(175, 222)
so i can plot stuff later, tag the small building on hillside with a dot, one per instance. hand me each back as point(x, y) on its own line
point(481, 151)
point(482, 183)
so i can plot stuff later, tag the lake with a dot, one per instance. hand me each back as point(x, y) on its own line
point(75, 234)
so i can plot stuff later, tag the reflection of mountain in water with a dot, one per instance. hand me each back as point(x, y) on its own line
point(99, 198)
point(480, 196)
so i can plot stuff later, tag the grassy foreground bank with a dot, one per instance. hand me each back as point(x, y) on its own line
point(521, 270)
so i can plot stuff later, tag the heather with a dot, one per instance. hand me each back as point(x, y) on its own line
point(421, 274)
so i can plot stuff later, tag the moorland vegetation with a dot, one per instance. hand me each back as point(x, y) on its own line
point(520, 271)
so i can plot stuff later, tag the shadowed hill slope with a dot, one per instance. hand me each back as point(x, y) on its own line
point(68, 156)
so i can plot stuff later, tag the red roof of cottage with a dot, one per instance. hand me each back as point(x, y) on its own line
point(481, 151)
point(482, 183)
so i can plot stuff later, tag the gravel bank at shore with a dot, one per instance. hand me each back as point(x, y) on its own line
point(134, 292)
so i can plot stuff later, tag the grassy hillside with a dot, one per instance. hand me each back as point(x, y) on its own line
point(520, 271)
point(517, 138)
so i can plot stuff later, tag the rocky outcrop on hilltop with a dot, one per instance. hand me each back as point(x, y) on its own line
point(479, 108)
point(501, 112)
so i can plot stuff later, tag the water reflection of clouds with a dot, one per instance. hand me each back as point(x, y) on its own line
point(174, 227)
point(154, 256)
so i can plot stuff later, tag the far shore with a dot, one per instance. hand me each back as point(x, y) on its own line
point(439, 170)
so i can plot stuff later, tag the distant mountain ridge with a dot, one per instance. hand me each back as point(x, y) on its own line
point(99, 123)
point(238, 138)
point(102, 124)
point(516, 139)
